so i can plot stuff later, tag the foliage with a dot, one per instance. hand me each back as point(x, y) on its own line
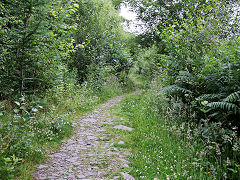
point(165, 146)
point(59, 59)
point(44, 42)
point(34, 123)
point(30, 46)
point(148, 62)
point(161, 13)
point(23, 135)
point(196, 58)
point(98, 40)
point(220, 92)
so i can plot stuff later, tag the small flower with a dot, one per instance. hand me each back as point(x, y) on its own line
point(218, 151)
point(228, 162)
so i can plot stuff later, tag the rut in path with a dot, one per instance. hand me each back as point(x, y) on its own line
point(89, 153)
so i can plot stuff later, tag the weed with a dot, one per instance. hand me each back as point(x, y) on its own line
point(166, 147)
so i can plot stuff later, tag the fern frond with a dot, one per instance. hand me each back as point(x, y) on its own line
point(234, 97)
point(225, 106)
point(185, 76)
point(211, 96)
point(176, 89)
point(214, 114)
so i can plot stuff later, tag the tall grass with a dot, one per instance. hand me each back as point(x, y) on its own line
point(167, 146)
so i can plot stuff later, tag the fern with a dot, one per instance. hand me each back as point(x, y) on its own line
point(234, 97)
point(211, 96)
point(185, 76)
point(227, 106)
point(176, 89)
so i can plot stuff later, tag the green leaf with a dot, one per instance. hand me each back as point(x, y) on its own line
point(53, 13)
point(16, 110)
point(17, 103)
point(205, 111)
point(22, 98)
point(7, 160)
point(76, 5)
point(34, 110)
point(233, 170)
point(22, 107)
point(204, 103)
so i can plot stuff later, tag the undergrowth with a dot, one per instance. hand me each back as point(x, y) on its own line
point(166, 145)
point(32, 125)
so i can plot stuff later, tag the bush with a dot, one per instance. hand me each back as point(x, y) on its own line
point(25, 132)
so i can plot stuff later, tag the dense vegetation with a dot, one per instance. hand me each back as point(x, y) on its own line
point(191, 50)
point(60, 58)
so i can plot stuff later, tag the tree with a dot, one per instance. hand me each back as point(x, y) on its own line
point(160, 13)
point(36, 38)
point(99, 39)
point(20, 29)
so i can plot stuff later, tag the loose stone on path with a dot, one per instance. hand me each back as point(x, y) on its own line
point(122, 127)
point(121, 142)
point(89, 153)
point(127, 176)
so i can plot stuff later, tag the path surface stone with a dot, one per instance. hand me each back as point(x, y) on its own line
point(89, 153)
point(122, 127)
point(127, 176)
point(121, 142)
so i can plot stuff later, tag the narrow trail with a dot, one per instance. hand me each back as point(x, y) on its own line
point(89, 153)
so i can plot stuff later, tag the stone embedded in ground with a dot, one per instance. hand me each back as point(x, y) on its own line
point(52, 177)
point(126, 166)
point(42, 177)
point(42, 166)
point(124, 160)
point(91, 137)
point(121, 142)
point(71, 176)
point(127, 176)
point(122, 127)
point(80, 176)
point(73, 159)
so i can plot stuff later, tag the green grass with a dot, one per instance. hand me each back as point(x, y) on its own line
point(164, 149)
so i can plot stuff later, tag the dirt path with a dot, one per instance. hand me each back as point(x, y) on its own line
point(89, 153)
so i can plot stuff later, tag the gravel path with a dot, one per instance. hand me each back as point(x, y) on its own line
point(89, 153)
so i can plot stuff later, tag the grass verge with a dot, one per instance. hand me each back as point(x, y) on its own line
point(163, 148)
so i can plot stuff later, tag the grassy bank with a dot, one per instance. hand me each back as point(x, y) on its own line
point(168, 146)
